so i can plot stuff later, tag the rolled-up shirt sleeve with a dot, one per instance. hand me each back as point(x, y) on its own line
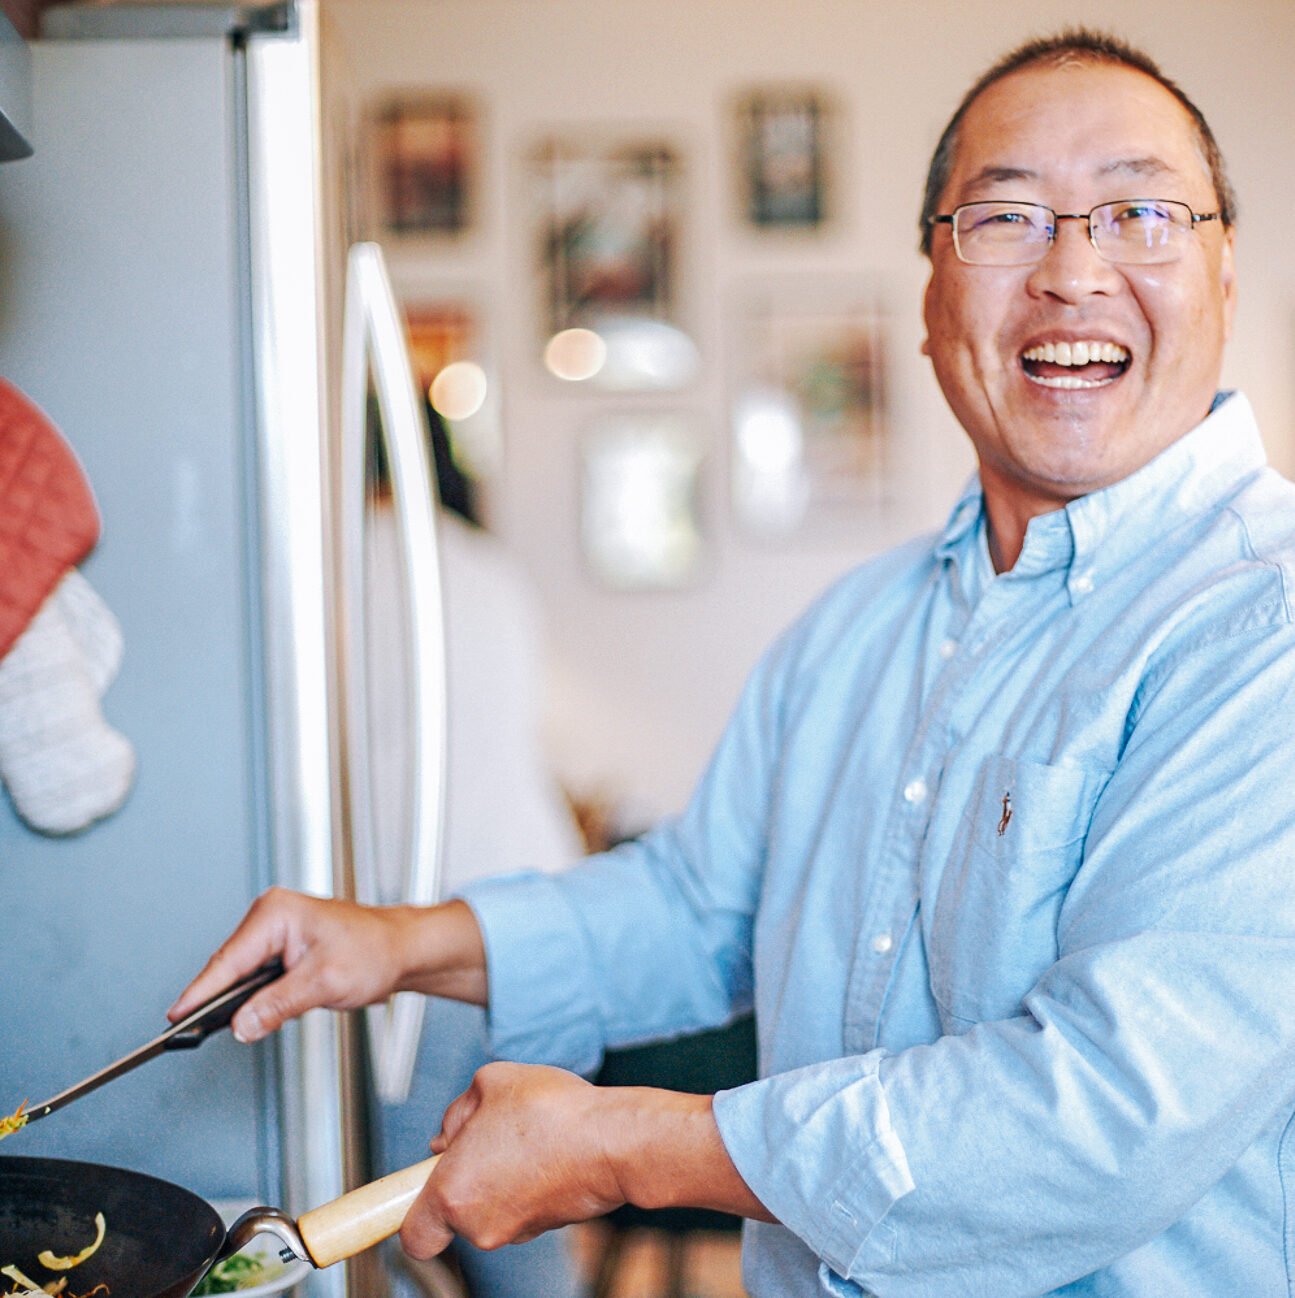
point(651, 939)
point(835, 1203)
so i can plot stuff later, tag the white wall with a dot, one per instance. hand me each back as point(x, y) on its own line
point(644, 682)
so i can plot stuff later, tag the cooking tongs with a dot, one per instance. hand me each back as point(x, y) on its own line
point(189, 1033)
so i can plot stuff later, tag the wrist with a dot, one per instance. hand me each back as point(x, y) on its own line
point(665, 1151)
point(641, 1132)
point(439, 951)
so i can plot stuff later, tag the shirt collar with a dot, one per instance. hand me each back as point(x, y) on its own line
point(1100, 531)
point(964, 518)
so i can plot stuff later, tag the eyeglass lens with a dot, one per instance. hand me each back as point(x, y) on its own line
point(1129, 230)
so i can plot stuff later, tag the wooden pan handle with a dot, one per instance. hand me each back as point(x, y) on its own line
point(363, 1217)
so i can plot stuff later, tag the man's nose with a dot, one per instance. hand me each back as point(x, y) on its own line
point(1073, 269)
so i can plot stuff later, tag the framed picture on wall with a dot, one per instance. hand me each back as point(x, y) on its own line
point(608, 231)
point(440, 333)
point(782, 158)
point(425, 157)
point(452, 364)
point(639, 488)
point(810, 430)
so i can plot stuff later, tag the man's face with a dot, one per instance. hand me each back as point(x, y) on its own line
point(1070, 138)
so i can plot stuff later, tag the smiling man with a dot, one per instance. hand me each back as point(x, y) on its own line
point(998, 843)
point(1075, 350)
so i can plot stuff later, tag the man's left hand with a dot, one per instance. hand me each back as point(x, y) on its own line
point(527, 1148)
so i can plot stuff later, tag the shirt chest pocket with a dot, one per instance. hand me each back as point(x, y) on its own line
point(1015, 846)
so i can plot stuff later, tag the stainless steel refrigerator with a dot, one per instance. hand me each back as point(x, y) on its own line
point(184, 296)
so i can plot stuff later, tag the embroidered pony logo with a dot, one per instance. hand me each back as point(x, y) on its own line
point(1006, 817)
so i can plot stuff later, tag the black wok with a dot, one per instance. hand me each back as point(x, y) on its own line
point(161, 1239)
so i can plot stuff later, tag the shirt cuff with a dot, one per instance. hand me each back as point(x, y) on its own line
point(817, 1148)
point(541, 1010)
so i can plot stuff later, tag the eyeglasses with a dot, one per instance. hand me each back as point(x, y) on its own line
point(1131, 231)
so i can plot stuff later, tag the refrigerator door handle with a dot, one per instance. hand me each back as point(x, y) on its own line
point(374, 343)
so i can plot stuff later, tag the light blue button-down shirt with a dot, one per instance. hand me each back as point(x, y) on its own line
point(1006, 866)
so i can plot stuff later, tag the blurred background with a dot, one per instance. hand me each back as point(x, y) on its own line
point(722, 196)
point(770, 156)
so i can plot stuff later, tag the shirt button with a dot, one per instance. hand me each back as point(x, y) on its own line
point(915, 790)
point(1084, 584)
point(948, 649)
point(882, 943)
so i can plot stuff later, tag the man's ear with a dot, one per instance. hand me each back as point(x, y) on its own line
point(1228, 280)
point(926, 335)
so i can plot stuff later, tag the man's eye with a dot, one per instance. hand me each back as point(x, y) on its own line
point(1138, 213)
point(992, 220)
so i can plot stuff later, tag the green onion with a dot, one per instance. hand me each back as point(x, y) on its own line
point(234, 1273)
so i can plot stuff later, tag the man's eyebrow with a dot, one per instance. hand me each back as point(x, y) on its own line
point(996, 174)
point(1148, 166)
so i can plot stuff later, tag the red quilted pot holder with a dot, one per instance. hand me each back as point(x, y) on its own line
point(48, 518)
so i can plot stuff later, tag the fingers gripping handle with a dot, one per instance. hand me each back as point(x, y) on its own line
point(363, 1217)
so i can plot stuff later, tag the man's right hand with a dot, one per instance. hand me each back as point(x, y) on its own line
point(340, 955)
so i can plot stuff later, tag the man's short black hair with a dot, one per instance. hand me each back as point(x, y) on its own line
point(1081, 44)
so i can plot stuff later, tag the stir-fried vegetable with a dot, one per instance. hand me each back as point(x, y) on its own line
point(58, 1289)
point(14, 1122)
point(55, 1290)
point(53, 1263)
point(238, 1272)
point(28, 1288)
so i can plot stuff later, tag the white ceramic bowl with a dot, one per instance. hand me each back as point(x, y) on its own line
point(280, 1275)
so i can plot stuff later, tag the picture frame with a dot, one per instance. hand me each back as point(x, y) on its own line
point(439, 332)
point(811, 429)
point(640, 488)
point(783, 167)
point(452, 358)
point(608, 229)
point(425, 160)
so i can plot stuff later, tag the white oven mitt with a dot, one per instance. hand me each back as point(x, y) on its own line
point(63, 765)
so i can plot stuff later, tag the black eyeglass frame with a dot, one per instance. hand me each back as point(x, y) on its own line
point(950, 219)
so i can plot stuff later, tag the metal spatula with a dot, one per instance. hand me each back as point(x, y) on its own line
point(189, 1033)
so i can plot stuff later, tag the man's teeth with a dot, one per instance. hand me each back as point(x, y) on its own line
point(1070, 355)
point(1077, 353)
